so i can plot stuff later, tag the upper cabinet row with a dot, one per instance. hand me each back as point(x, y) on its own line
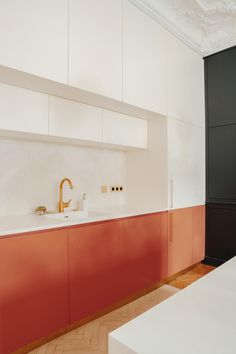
point(70, 119)
point(95, 46)
point(38, 113)
point(108, 47)
point(34, 37)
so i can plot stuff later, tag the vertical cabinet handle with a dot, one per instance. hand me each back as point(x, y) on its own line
point(171, 193)
point(171, 227)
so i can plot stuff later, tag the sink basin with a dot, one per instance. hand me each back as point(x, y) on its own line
point(69, 216)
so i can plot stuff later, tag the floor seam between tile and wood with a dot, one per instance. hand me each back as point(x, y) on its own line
point(91, 338)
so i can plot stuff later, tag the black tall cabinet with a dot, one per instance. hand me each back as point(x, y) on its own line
point(220, 86)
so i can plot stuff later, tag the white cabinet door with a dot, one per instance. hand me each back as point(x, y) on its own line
point(34, 37)
point(75, 120)
point(186, 164)
point(185, 83)
point(23, 110)
point(124, 130)
point(95, 50)
point(145, 61)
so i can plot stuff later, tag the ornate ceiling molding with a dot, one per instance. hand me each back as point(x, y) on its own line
point(216, 5)
point(205, 25)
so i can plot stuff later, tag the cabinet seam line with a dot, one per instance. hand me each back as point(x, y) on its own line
point(49, 99)
point(68, 276)
point(68, 42)
point(185, 122)
point(122, 13)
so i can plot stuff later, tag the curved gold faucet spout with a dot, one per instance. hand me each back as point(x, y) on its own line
point(62, 205)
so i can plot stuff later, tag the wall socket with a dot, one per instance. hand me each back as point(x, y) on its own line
point(113, 189)
point(116, 189)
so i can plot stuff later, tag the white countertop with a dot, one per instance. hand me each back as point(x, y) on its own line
point(16, 224)
point(201, 319)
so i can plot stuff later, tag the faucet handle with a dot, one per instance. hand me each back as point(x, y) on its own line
point(67, 204)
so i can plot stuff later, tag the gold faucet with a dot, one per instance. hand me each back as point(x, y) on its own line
point(62, 204)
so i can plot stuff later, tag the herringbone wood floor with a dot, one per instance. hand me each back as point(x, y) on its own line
point(189, 277)
point(91, 338)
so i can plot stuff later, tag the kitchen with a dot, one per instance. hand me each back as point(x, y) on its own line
point(104, 195)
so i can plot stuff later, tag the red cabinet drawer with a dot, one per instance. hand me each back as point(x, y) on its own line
point(198, 233)
point(180, 241)
point(186, 238)
point(113, 260)
point(33, 287)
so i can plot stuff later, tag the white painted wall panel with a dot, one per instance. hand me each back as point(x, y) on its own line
point(95, 49)
point(147, 170)
point(23, 110)
point(145, 61)
point(124, 130)
point(186, 164)
point(34, 37)
point(185, 83)
point(75, 120)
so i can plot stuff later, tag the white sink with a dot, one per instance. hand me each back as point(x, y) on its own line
point(69, 216)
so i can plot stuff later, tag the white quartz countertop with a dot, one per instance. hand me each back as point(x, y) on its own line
point(15, 224)
point(199, 319)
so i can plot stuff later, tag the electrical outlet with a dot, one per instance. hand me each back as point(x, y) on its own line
point(116, 189)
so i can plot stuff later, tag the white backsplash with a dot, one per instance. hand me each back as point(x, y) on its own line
point(30, 174)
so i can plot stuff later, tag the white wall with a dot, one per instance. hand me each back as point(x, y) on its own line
point(31, 173)
point(186, 164)
point(147, 169)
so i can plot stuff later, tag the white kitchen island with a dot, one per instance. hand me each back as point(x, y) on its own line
point(201, 319)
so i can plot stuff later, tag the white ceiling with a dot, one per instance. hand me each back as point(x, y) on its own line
point(208, 26)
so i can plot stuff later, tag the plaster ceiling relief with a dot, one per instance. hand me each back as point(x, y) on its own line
point(206, 25)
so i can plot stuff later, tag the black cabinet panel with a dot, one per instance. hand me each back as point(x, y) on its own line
point(221, 181)
point(221, 88)
point(220, 79)
point(221, 231)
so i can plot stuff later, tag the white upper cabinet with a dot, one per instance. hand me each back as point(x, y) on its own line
point(124, 130)
point(144, 61)
point(186, 164)
point(75, 120)
point(23, 110)
point(95, 48)
point(185, 83)
point(34, 37)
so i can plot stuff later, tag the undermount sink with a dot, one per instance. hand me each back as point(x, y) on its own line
point(70, 215)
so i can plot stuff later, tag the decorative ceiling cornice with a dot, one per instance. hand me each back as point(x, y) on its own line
point(228, 6)
point(207, 26)
point(163, 20)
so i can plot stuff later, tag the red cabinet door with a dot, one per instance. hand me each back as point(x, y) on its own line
point(111, 260)
point(198, 233)
point(180, 241)
point(33, 287)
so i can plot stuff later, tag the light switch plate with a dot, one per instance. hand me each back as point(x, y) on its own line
point(104, 189)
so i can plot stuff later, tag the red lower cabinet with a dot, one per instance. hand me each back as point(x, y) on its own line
point(112, 260)
point(50, 279)
point(199, 233)
point(33, 287)
point(180, 241)
point(186, 238)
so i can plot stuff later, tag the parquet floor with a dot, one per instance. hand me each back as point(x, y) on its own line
point(91, 338)
point(189, 277)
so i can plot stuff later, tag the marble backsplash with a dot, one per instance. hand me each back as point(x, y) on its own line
point(30, 174)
